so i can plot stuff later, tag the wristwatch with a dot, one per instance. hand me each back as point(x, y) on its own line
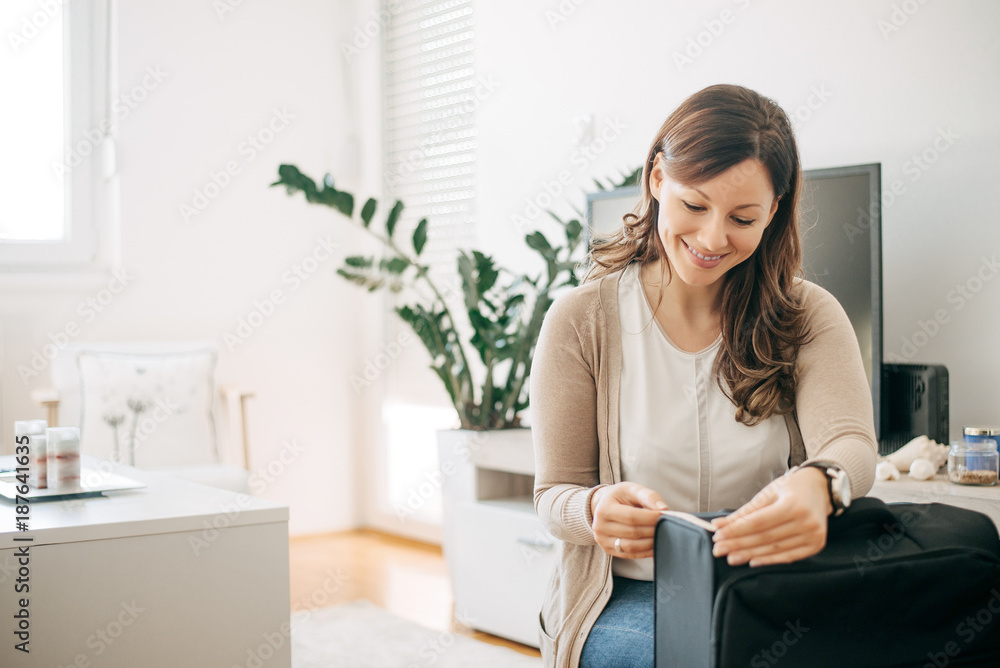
point(837, 484)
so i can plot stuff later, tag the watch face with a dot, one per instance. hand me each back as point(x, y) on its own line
point(841, 486)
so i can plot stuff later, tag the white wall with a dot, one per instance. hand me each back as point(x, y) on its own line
point(888, 96)
point(880, 94)
point(225, 76)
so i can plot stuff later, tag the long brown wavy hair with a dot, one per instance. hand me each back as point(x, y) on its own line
point(763, 324)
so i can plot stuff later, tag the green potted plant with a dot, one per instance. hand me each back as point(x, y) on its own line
point(504, 310)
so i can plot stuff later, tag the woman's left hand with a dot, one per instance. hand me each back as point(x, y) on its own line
point(785, 522)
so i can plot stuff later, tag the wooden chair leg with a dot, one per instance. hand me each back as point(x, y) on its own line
point(52, 413)
point(49, 399)
point(246, 435)
point(235, 399)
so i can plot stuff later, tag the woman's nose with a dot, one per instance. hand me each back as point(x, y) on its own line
point(712, 236)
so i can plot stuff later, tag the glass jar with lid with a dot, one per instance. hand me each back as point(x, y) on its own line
point(979, 434)
point(974, 460)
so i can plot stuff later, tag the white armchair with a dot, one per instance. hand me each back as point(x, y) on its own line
point(155, 406)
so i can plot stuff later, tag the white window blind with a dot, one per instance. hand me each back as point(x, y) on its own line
point(430, 132)
point(429, 135)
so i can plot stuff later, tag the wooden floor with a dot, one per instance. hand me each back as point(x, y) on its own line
point(405, 577)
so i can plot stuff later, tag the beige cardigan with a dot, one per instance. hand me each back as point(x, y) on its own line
point(574, 392)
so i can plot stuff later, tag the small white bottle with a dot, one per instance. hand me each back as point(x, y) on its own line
point(37, 451)
point(64, 457)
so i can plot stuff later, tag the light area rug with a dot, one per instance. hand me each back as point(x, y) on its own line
point(362, 635)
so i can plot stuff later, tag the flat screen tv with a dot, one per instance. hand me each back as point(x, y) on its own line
point(840, 222)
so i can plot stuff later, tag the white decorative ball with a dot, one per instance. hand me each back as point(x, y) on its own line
point(922, 469)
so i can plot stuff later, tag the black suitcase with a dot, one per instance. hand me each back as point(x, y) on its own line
point(903, 584)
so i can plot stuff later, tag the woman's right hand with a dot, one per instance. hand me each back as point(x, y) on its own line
point(627, 511)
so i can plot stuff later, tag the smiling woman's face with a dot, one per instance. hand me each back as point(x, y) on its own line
point(709, 228)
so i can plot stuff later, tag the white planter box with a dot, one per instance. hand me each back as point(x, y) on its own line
point(499, 557)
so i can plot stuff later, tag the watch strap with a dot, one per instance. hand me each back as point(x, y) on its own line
point(830, 470)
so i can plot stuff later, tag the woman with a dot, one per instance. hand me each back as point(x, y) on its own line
point(692, 370)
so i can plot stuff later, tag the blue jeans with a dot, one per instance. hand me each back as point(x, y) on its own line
point(622, 637)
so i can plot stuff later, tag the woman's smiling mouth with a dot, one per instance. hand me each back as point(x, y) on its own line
point(703, 258)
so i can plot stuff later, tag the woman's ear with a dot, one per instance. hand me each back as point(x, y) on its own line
point(657, 173)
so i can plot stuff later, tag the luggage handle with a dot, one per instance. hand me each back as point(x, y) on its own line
point(866, 511)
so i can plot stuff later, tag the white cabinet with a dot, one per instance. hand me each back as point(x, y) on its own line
point(174, 574)
point(499, 556)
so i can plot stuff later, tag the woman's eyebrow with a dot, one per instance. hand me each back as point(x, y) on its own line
point(709, 199)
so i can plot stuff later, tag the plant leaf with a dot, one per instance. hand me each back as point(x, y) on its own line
point(293, 179)
point(515, 300)
point(483, 334)
point(290, 177)
point(390, 222)
point(573, 230)
point(420, 236)
point(359, 261)
point(395, 265)
point(341, 201)
point(538, 241)
point(357, 279)
point(469, 284)
point(421, 325)
point(487, 271)
point(367, 211)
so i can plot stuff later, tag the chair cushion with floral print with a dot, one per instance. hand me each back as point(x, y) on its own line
point(148, 410)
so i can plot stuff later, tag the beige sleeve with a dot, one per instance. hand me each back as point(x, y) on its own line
point(833, 401)
point(563, 396)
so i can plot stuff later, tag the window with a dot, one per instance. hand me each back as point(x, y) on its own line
point(57, 168)
point(430, 95)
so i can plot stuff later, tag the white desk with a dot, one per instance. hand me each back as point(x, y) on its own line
point(938, 490)
point(175, 574)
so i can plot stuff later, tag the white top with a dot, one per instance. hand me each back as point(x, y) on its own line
point(679, 434)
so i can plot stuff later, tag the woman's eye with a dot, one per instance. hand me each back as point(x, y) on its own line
point(693, 208)
point(742, 222)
